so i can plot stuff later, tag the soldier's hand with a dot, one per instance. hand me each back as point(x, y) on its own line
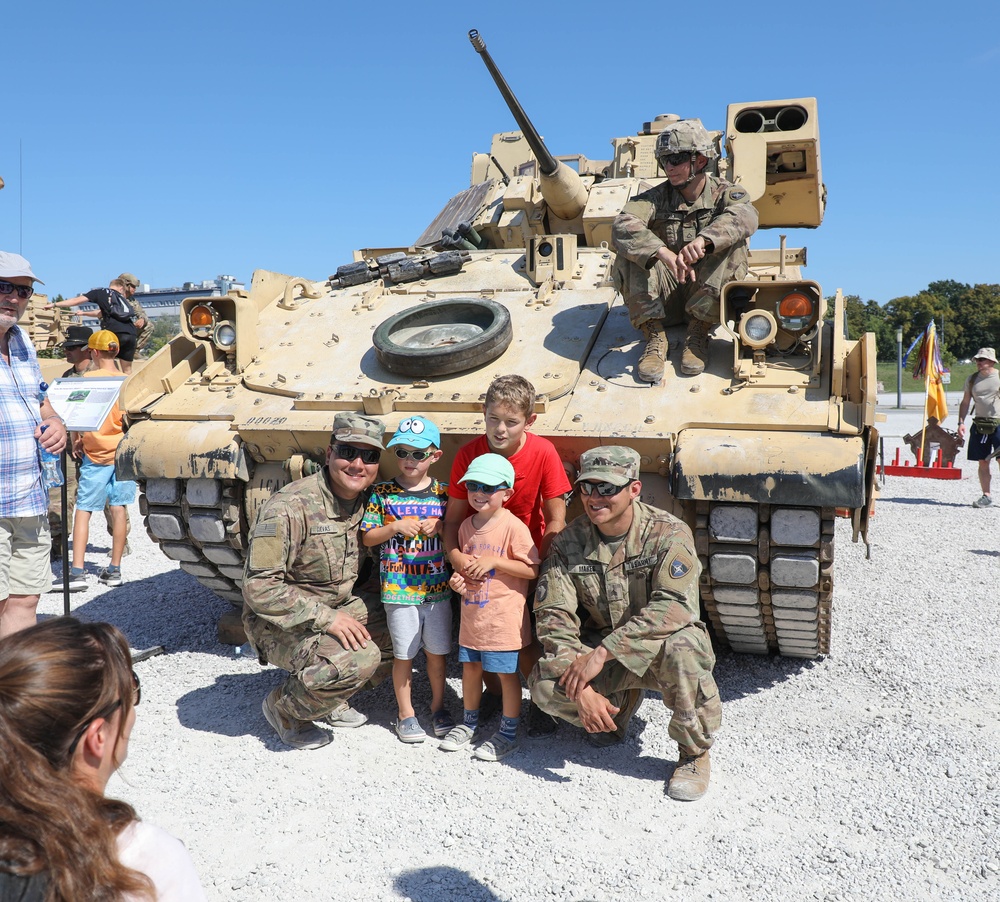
point(597, 714)
point(669, 259)
point(579, 674)
point(693, 252)
point(349, 632)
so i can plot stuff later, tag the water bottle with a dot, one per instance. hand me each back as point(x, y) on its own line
point(52, 475)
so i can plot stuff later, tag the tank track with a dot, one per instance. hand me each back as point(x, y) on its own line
point(767, 576)
point(199, 523)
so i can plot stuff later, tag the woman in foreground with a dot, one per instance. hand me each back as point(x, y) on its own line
point(67, 706)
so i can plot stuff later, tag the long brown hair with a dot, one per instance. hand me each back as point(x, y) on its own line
point(56, 678)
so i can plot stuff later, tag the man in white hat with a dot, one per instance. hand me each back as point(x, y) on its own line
point(982, 390)
point(27, 420)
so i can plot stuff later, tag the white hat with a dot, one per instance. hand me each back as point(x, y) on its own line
point(986, 354)
point(13, 266)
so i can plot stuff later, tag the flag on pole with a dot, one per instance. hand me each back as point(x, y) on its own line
point(930, 368)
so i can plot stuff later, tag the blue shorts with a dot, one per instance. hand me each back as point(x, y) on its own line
point(98, 486)
point(492, 661)
point(982, 446)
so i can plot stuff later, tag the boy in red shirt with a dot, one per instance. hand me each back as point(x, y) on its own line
point(540, 483)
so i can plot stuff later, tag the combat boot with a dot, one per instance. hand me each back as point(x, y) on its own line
point(689, 781)
point(299, 734)
point(654, 354)
point(695, 355)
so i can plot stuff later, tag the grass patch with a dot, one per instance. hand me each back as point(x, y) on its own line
point(887, 376)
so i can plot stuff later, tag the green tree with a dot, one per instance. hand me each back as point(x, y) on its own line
point(164, 329)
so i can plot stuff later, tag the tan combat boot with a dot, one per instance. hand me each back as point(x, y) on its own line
point(689, 781)
point(299, 734)
point(654, 354)
point(695, 355)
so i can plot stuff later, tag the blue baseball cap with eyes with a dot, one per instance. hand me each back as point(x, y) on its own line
point(416, 432)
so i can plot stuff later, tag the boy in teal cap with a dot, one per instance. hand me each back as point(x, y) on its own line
point(494, 587)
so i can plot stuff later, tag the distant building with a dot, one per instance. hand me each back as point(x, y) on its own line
point(163, 302)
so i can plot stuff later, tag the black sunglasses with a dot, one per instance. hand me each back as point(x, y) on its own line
point(474, 486)
point(604, 489)
point(416, 455)
point(108, 711)
point(349, 452)
point(22, 291)
point(675, 159)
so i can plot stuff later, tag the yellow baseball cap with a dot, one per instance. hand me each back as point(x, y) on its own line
point(103, 340)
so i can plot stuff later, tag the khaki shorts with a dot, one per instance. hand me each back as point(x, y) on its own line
point(25, 545)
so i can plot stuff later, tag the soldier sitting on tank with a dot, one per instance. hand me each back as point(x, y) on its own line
point(617, 613)
point(677, 245)
point(300, 609)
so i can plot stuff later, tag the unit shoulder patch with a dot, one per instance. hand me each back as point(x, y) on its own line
point(680, 566)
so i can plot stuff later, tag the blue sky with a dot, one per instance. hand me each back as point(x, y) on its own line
point(187, 139)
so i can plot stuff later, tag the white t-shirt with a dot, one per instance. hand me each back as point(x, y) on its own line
point(164, 859)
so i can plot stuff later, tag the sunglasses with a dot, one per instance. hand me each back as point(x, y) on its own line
point(349, 452)
point(474, 486)
point(414, 455)
point(107, 712)
point(604, 489)
point(675, 159)
point(22, 291)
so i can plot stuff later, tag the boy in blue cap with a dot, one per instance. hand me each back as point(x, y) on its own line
point(404, 517)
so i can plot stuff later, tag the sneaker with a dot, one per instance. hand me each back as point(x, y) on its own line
point(985, 501)
point(299, 734)
point(346, 718)
point(496, 747)
point(623, 718)
point(540, 724)
point(442, 723)
point(77, 581)
point(689, 781)
point(408, 730)
point(457, 738)
point(110, 576)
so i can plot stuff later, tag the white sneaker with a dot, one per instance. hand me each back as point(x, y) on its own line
point(985, 501)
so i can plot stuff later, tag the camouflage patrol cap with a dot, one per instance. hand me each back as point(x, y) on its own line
point(354, 429)
point(128, 279)
point(609, 463)
point(686, 136)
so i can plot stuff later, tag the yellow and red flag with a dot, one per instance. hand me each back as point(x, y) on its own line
point(930, 367)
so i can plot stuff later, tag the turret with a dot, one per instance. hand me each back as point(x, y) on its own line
point(562, 188)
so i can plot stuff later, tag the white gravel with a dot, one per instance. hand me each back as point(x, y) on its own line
point(873, 773)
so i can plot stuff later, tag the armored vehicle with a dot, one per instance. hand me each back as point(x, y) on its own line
point(758, 454)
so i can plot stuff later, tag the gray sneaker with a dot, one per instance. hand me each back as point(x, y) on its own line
point(346, 718)
point(457, 739)
point(299, 734)
point(496, 748)
point(985, 501)
point(408, 730)
point(77, 581)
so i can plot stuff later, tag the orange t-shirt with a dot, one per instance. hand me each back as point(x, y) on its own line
point(495, 613)
point(100, 446)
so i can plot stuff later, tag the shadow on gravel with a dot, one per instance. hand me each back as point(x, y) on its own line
point(433, 884)
point(918, 501)
point(984, 552)
point(738, 676)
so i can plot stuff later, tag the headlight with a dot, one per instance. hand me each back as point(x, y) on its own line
point(758, 329)
point(201, 320)
point(796, 312)
point(224, 335)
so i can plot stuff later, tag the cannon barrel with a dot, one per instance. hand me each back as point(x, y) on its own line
point(562, 188)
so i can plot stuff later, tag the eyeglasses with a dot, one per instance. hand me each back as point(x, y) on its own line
point(349, 452)
point(108, 711)
point(22, 291)
point(474, 486)
point(604, 489)
point(675, 159)
point(402, 454)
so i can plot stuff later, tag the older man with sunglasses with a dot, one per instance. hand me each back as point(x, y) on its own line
point(300, 609)
point(617, 613)
point(26, 419)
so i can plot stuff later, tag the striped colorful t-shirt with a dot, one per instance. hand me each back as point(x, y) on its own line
point(413, 571)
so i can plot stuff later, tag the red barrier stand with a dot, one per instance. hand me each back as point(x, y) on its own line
point(937, 470)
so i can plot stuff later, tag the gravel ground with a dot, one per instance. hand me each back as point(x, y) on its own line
point(871, 773)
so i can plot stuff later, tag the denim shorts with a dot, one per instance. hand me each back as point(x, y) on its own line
point(98, 486)
point(412, 626)
point(492, 661)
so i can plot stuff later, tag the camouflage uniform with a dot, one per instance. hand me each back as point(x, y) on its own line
point(641, 603)
point(660, 216)
point(300, 573)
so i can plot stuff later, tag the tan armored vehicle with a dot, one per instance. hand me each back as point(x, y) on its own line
point(758, 454)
